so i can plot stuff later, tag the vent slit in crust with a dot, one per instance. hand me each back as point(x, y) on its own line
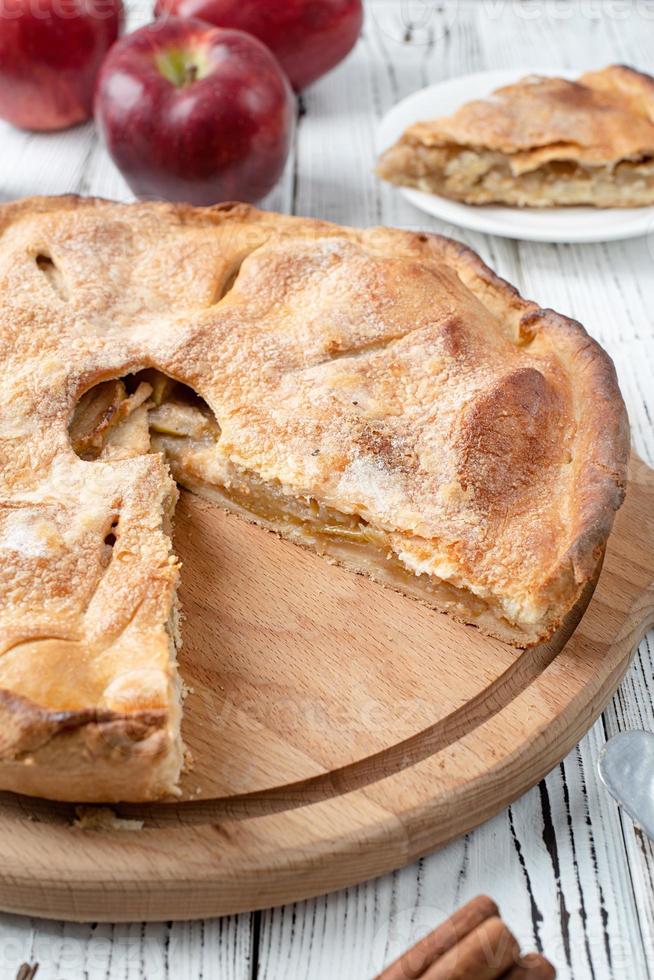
point(45, 263)
point(228, 284)
point(110, 537)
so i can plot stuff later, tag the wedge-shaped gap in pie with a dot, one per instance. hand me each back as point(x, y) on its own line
point(397, 559)
point(46, 265)
point(151, 412)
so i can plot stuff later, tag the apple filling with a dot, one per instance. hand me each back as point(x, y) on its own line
point(151, 412)
point(479, 176)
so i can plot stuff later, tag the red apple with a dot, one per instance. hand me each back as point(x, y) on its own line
point(308, 37)
point(50, 53)
point(194, 113)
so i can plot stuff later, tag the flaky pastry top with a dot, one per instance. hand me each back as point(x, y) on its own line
point(602, 118)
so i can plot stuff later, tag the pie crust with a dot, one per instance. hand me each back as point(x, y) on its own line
point(543, 142)
point(378, 396)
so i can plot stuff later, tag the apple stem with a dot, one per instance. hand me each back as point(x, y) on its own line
point(180, 66)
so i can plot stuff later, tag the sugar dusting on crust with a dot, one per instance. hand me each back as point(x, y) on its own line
point(368, 485)
point(27, 533)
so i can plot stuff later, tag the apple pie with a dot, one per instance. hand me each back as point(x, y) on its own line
point(543, 142)
point(377, 396)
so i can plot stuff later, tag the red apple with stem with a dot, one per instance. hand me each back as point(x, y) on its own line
point(50, 54)
point(194, 113)
point(308, 37)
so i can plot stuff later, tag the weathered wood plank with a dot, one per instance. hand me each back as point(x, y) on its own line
point(215, 949)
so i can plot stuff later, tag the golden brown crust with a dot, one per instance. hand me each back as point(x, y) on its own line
point(600, 454)
point(385, 374)
point(540, 142)
point(83, 755)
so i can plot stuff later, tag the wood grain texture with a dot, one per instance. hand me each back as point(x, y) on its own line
point(570, 874)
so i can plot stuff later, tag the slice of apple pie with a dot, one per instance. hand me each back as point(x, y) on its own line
point(377, 396)
point(543, 142)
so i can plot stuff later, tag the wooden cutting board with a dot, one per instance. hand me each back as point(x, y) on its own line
point(338, 730)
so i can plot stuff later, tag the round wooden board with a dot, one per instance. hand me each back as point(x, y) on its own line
point(338, 730)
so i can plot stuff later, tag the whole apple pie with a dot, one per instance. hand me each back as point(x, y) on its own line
point(378, 396)
point(543, 142)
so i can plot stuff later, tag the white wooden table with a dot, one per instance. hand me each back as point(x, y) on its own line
point(572, 876)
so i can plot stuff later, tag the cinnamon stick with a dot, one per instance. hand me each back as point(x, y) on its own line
point(27, 971)
point(484, 954)
point(413, 963)
point(532, 967)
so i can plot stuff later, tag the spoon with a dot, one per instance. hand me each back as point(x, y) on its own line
point(626, 767)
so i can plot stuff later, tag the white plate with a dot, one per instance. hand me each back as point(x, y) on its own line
point(574, 224)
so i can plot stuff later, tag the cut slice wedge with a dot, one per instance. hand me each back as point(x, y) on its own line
point(542, 142)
